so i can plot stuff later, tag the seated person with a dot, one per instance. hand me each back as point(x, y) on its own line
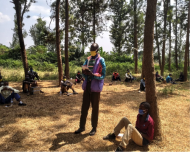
point(66, 85)
point(78, 78)
point(169, 79)
point(116, 76)
point(128, 76)
point(142, 85)
point(181, 77)
point(32, 74)
point(158, 77)
point(141, 134)
point(7, 94)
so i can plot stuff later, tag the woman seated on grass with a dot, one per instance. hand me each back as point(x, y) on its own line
point(128, 76)
point(181, 77)
point(143, 132)
point(142, 85)
point(158, 77)
point(169, 79)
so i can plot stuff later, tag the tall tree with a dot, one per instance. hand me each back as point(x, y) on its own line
point(66, 38)
point(176, 22)
point(151, 96)
point(187, 46)
point(164, 35)
point(20, 15)
point(135, 36)
point(59, 58)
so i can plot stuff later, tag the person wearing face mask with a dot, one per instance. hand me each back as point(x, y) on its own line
point(78, 78)
point(66, 85)
point(32, 74)
point(94, 74)
point(116, 76)
point(128, 76)
point(143, 132)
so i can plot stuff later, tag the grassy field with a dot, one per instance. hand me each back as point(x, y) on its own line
point(48, 121)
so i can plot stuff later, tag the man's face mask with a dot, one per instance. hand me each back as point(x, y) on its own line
point(115, 72)
point(141, 112)
point(64, 79)
point(93, 53)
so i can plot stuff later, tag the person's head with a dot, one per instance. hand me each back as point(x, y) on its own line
point(181, 73)
point(128, 71)
point(144, 78)
point(94, 49)
point(170, 74)
point(156, 72)
point(64, 78)
point(31, 69)
point(6, 83)
point(144, 108)
point(115, 72)
point(78, 72)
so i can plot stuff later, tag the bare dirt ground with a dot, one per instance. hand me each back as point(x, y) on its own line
point(49, 120)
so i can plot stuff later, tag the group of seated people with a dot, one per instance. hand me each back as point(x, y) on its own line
point(128, 76)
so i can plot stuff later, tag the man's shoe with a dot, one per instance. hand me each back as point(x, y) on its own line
point(109, 136)
point(74, 92)
point(79, 130)
point(92, 132)
point(119, 149)
point(22, 104)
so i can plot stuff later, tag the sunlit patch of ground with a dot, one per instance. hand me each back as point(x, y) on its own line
point(49, 120)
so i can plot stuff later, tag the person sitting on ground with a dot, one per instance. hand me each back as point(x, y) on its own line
point(7, 94)
point(143, 132)
point(66, 85)
point(142, 85)
point(78, 78)
point(32, 74)
point(128, 76)
point(158, 77)
point(181, 77)
point(169, 79)
point(116, 76)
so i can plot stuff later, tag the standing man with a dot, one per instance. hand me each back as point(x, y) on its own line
point(94, 70)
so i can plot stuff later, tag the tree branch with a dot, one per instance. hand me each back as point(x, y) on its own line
point(24, 10)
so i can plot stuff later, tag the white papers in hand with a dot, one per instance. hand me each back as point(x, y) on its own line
point(120, 135)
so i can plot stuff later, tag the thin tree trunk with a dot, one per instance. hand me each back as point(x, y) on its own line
point(94, 21)
point(66, 38)
point(82, 35)
point(59, 58)
point(135, 37)
point(157, 44)
point(164, 36)
point(176, 61)
point(151, 96)
point(21, 40)
point(186, 48)
point(170, 45)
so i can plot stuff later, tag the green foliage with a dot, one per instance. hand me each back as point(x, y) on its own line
point(168, 90)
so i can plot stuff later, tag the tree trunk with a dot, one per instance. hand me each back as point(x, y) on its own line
point(135, 37)
point(21, 40)
point(186, 48)
point(94, 21)
point(170, 45)
point(59, 59)
point(66, 38)
point(151, 96)
point(157, 44)
point(82, 36)
point(164, 36)
point(176, 61)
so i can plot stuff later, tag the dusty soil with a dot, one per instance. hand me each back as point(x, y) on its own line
point(48, 121)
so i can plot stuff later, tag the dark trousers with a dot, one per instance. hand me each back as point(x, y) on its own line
point(116, 79)
point(142, 87)
point(93, 98)
point(8, 99)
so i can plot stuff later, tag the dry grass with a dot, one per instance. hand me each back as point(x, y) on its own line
point(49, 120)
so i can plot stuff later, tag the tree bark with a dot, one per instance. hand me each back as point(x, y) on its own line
point(170, 44)
point(176, 61)
point(66, 38)
point(94, 21)
point(157, 44)
point(135, 36)
point(59, 58)
point(21, 39)
point(164, 36)
point(186, 48)
point(151, 96)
